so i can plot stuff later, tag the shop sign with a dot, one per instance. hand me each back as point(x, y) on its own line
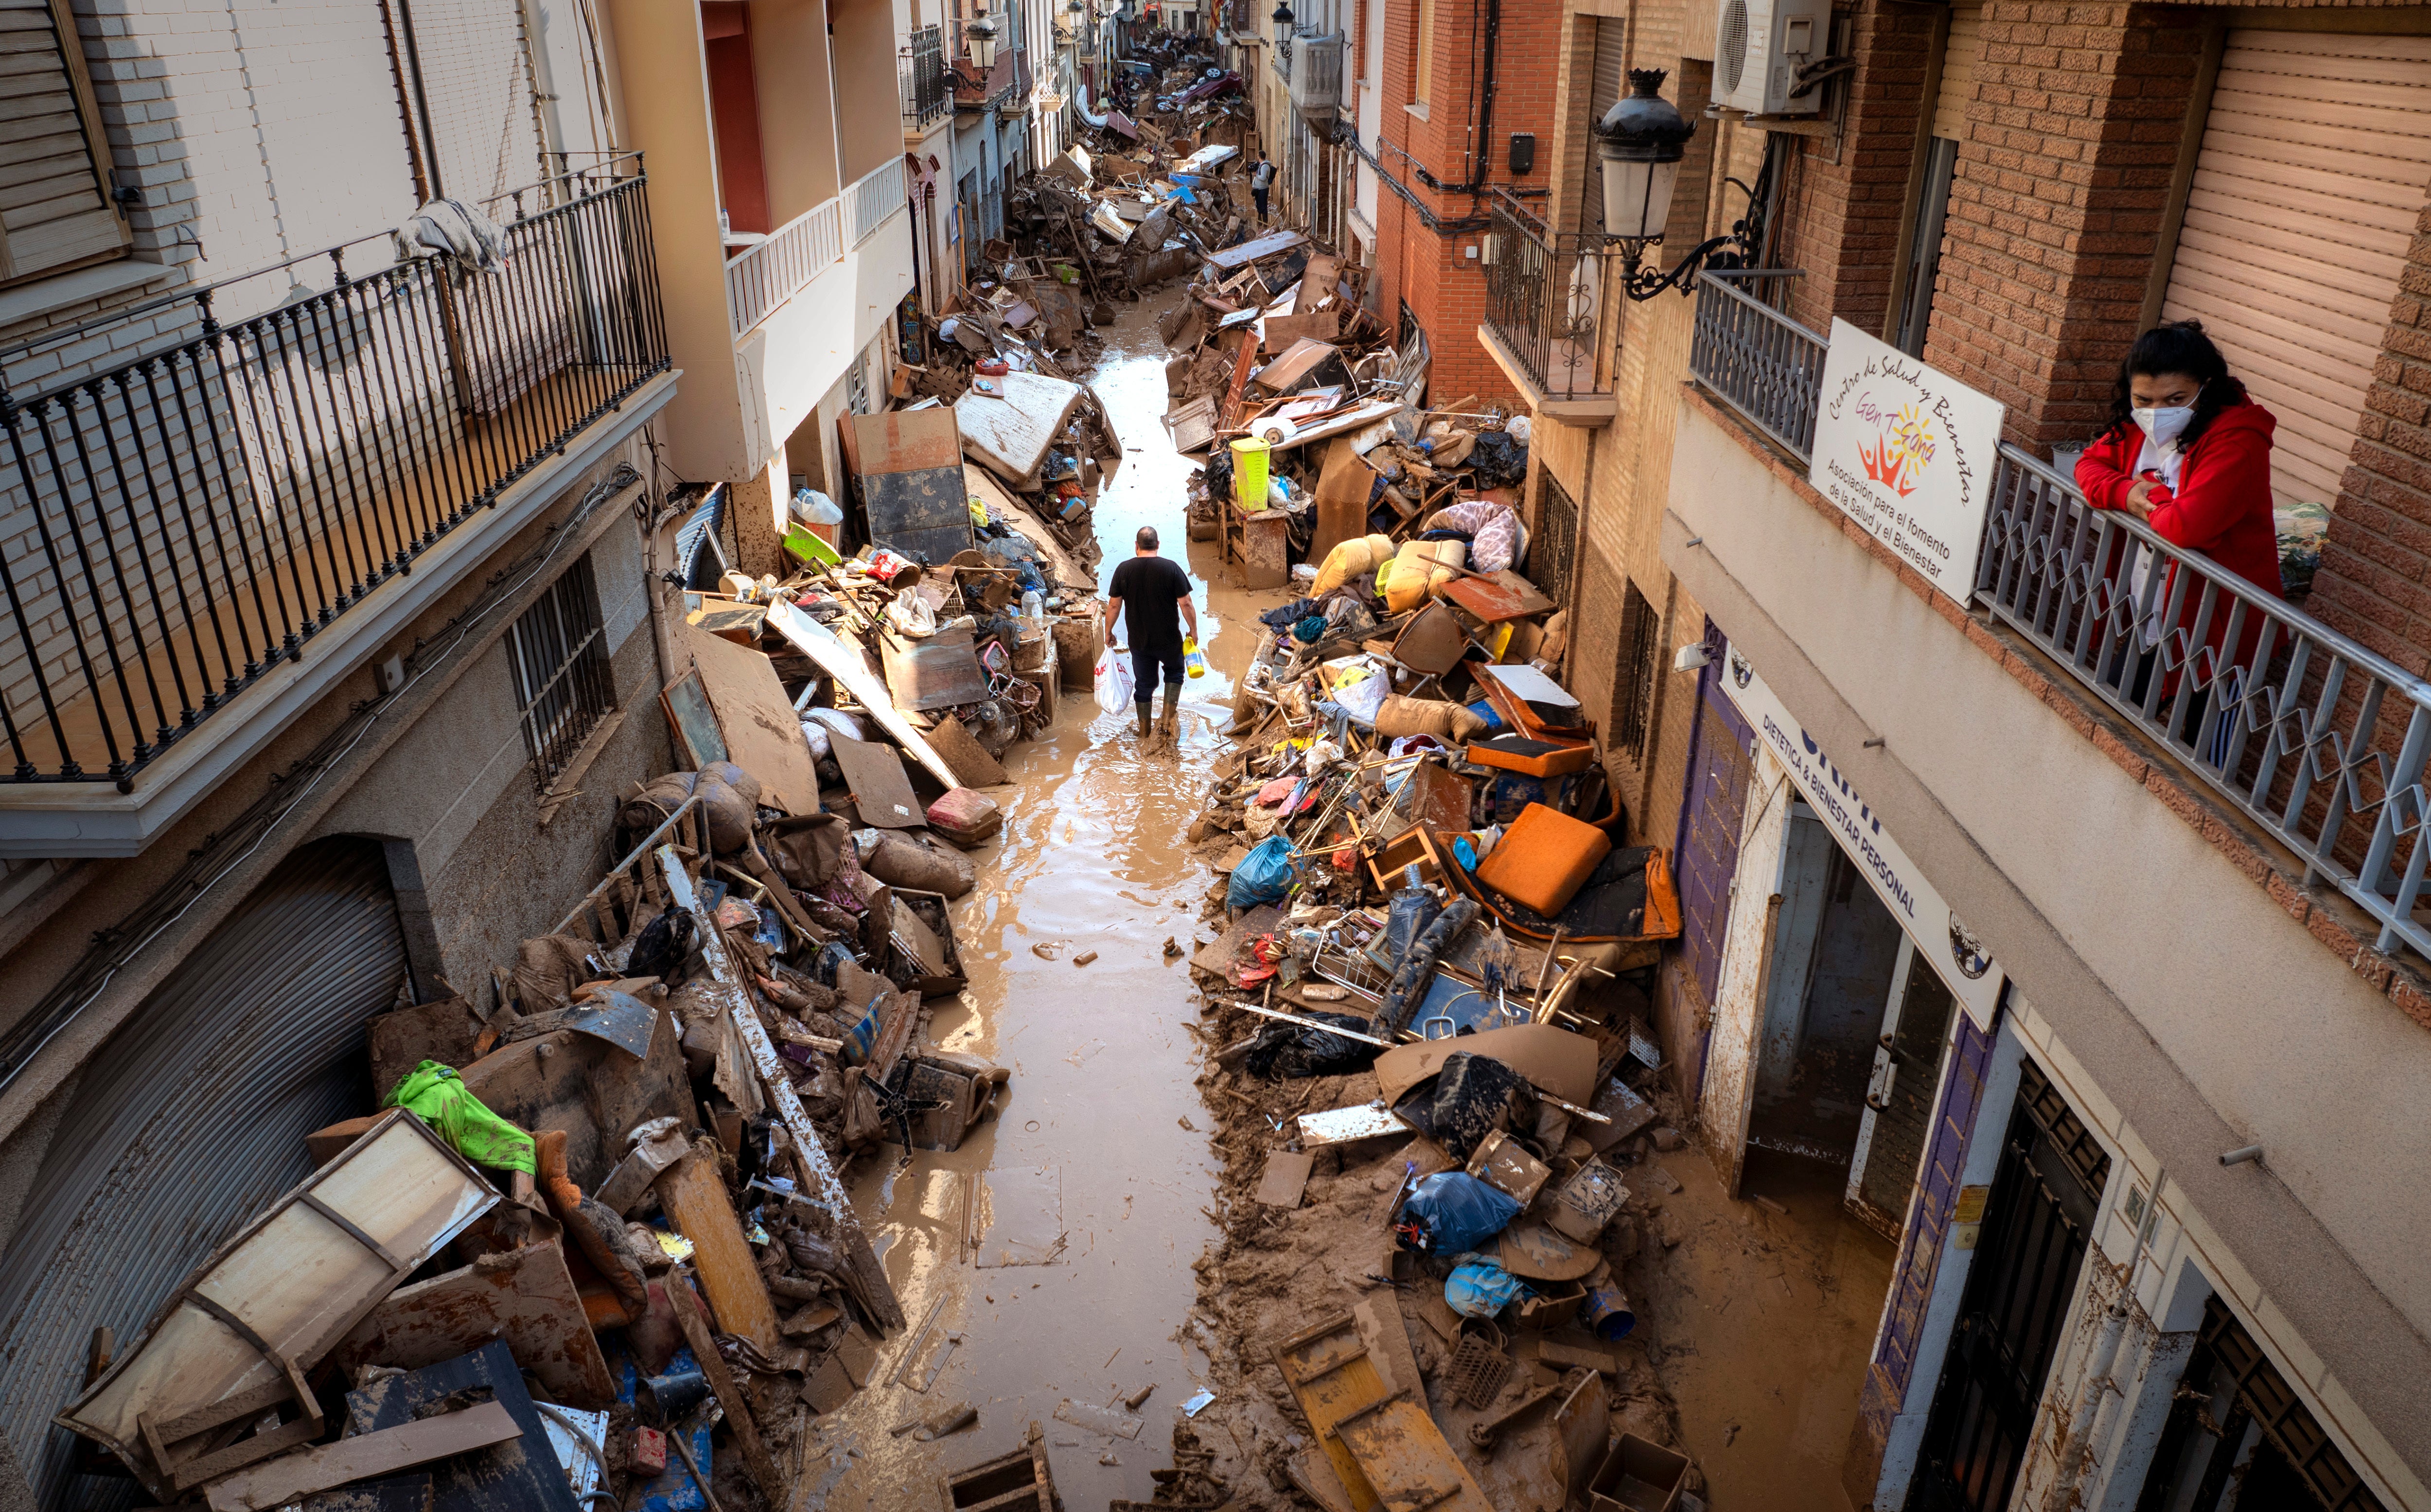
point(1907, 453)
point(1941, 937)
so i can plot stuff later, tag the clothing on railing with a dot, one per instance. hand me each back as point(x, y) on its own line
point(468, 240)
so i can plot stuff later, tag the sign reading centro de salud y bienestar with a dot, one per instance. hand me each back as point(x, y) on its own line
point(1907, 453)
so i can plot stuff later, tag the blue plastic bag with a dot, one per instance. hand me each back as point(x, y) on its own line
point(1452, 1213)
point(1479, 1287)
point(1263, 877)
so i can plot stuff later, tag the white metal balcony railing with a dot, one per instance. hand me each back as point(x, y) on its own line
point(2311, 736)
point(763, 278)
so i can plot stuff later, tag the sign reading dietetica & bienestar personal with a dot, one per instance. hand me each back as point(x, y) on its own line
point(1907, 452)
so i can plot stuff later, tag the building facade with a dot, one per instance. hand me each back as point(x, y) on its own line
point(2047, 889)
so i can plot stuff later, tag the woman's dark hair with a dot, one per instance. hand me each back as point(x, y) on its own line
point(2177, 346)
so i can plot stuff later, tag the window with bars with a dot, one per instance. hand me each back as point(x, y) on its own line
point(1551, 545)
point(1633, 677)
point(2238, 1435)
point(563, 684)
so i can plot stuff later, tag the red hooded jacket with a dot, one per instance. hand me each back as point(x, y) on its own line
point(2223, 504)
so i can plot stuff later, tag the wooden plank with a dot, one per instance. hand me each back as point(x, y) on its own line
point(730, 1396)
point(965, 755)
point(880, 790)
point(763, 735)
point(362, 1457)
point(524, 1296)
point(1285, 1178)
point(1255, 251)
point(843, 662)
point(696, 1203)
point(1408, 1461)
point(1342, 488)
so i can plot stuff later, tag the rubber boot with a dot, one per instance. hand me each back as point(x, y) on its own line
point(1168, 724)
point(1141, 710)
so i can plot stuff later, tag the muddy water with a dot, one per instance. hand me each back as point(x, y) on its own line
point(1098, 1158)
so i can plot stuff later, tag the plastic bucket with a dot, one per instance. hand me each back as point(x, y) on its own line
point(1250, 472)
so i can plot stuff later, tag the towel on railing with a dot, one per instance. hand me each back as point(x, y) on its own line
point(469, 241)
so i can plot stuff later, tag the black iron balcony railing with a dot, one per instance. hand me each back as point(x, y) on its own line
point(174, 527)
point(1548, 298)
point(928, 94)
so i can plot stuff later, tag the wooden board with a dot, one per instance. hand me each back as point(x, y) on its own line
point(1330, 1377)
point(1009, 436)
point(524, 1296)
point(762, 734)
point(1342, 489)
point(698, 1205)
point(844, 661)
point(1257, 249)
point(965, 755)
point(721, 1381)
point(1504, 595)
point(1285, 1178)
point(363, 1458)
point(880, 789)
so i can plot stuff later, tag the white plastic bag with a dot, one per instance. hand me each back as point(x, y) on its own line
point(1113, 680)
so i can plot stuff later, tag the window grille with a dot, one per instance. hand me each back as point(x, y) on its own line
point(562, 680)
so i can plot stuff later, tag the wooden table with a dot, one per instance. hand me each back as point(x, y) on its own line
point(1260, 540)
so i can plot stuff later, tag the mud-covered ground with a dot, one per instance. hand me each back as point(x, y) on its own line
point(1126, 1160)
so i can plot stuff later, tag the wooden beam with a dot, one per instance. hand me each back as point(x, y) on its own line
point(363, 1457)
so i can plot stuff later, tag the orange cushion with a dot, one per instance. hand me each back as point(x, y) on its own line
point(1544, 859)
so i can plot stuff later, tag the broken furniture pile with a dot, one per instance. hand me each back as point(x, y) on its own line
point(1310, 419)
point(1428, 1012)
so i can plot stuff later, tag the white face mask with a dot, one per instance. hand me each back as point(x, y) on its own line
point(2167, 423)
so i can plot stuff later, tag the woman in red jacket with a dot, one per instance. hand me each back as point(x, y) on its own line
point(2189, 454)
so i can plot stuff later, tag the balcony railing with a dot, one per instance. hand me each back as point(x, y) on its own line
point(1547, 297)
point(763, 278)
point(928, 94)
point(2317, 739)
point(2313, 737)
point(1756, 359)
point(178, 525)
point(1315, 74)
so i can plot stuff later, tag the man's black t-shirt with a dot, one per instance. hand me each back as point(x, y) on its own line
point(1151, 589)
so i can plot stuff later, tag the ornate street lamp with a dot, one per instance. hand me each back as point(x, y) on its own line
point(1640, 141)
point(1284, 20)
point(979, 34)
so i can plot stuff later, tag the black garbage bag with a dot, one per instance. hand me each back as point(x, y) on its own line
point(1289, 1049)
point(1499, 460)
point(1280, 620)
point(1470, 1098)
point(1418, 965)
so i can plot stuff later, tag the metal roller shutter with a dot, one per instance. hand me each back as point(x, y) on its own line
point(1959, 54)
point(189, 1122)
point(2312, 170)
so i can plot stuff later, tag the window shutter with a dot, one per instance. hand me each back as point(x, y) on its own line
point(1961, 57)
point(1606, 81)
point(55, 205)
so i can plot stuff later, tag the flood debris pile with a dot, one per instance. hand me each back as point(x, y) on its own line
point(592, 1240)
point(1425, 1008)
point(1313, 427)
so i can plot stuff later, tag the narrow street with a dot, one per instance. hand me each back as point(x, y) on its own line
point(1100, 1158)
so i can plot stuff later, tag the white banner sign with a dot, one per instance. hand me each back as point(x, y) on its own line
point(1908, 454)
point(1941, 936)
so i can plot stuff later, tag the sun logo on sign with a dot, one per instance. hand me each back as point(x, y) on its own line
point(1902, 448)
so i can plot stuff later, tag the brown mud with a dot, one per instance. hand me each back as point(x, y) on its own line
point(1163, 1270)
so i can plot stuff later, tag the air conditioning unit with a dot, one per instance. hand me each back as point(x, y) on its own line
point(1759, 46)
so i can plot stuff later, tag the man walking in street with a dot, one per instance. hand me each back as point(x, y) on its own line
point(1261, 179)
point(1151, 597)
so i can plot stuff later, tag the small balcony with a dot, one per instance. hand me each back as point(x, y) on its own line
point(920, 75)
point(1314, 70)
point(203, 537)
point(763, 278)
point(1549, 300)
point(2321, 744)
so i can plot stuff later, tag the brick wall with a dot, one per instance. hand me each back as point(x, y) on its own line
point(2375, 578)
point(1842, 197)
point(2057, 205)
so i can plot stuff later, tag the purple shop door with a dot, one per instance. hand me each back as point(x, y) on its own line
point(1720, 768)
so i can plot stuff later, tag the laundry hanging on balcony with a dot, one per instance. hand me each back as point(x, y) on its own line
point(468, 240)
